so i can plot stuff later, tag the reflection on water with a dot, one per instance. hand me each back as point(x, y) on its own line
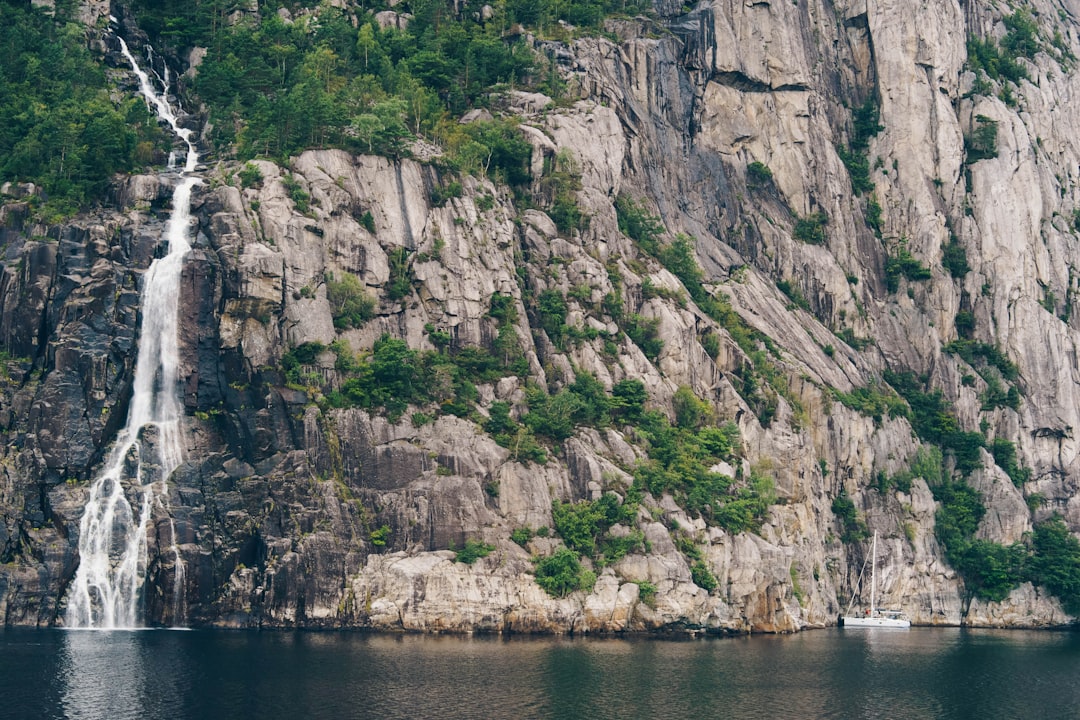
point(865, 673)
point(109, 674)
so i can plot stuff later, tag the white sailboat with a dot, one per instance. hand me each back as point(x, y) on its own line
point(873, 616)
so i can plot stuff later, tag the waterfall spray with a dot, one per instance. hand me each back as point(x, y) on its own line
point(113, 530)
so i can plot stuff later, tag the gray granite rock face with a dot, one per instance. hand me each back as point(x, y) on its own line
point(279, 508)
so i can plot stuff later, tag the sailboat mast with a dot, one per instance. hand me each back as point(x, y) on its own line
point(873, 576)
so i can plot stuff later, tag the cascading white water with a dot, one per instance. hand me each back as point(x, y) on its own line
point(112, 533)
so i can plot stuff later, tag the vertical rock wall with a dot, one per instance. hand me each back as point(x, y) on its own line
point(280, 506)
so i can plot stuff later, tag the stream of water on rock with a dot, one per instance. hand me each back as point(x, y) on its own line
point(113, 529)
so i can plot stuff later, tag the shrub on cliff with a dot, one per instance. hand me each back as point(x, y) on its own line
point(350, 305)
point(473, 551)
point(1056, 562)
point(561, 573)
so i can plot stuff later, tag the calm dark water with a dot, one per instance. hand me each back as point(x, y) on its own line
point(922, 673)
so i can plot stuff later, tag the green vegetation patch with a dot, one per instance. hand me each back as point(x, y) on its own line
point(473, 551)
point(865, 126)
point(876, 401)
point(902, 264)
point(810, 228)
point(562, 573)
point(59, 126)
point(981, 144)
point(680, 462)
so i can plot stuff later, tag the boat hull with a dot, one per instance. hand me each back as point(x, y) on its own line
point(874, 622)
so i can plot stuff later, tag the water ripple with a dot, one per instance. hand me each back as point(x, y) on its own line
point(840, 674)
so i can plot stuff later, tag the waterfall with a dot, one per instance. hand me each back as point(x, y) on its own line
point(113, 554)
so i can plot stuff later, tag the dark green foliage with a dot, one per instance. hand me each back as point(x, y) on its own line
point(647, 592)
point(865, 125)
point(503, 307)
point(875, 401)
point(578, 525)
point(394, 377)
point(510, 434)
point(367, 221)
point(1056, 562)
point(957, 518)
point(848, 336)
point(972, 351)
point(884, 482)
point(982, 143)
point(552, 416)
point(858, 167)
point(250, 176)
point(645, 332)
point(584, 402)
point(1004, 452)
point(399, 284)
point(638, 225)
point(935, 422)
point(794, 294)
point(710, 342)
point(690, 411)
point(702, 576)
point(746, 511)
point(965, 323)
point(678, 257)
point(497, 149)
point(562, 573)
point(350, 305)
point(473, 551)
point(926, 463)
point(996, 395)
point(852, 527)
point(954, 258)
point(275, 88)
point(1021, 34)
point(699, 571)
point(558, 188)
point(758, 175)
point(59, 127)
point(811, 228)
point(545, 14)
point(985, 55)
point(293, 361)
point(551, 308)
point(628, 400)
point(584, 526)
point(300, 197)
point(679, 463)
point(992, 570)
point(596, 404)
point(522, 535)
point(873, 214)
point(441, 194)
point(903, 264)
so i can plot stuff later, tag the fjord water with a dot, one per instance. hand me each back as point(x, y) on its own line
point(921, 673)
point(113, 527)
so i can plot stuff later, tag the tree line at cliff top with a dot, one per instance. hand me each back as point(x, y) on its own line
point(275, 87)
point(61, 127)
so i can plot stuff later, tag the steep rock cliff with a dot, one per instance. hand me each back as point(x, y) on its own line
point(280, 509)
